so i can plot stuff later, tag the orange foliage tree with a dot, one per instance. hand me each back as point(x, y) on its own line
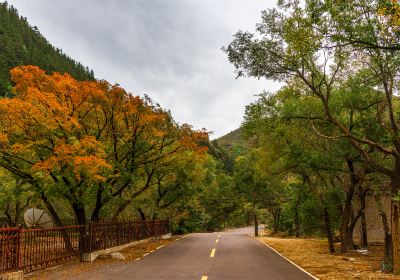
point(87, 142)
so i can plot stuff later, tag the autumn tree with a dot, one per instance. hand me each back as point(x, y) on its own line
point(80, 141)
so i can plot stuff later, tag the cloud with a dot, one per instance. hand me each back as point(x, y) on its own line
point(170, 50)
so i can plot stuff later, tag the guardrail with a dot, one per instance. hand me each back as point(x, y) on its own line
point(103, 235)
point(34, 249)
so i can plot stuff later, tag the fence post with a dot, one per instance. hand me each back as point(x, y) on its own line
point(18, 248)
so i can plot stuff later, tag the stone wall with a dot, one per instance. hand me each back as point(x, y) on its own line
point(373, 219)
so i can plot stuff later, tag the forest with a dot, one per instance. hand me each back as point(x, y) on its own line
point(22, 44)
point(306, 162)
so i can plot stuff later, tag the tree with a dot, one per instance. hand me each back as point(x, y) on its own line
point(80, 141)
point(312, 44)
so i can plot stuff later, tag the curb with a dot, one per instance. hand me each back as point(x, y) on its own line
point(158, 248)
point(296, 265)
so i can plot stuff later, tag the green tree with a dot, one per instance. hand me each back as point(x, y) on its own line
point(318, 44)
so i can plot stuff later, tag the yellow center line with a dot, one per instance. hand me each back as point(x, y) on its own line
point(216, 241)
point(204, 278)
point(212, 253)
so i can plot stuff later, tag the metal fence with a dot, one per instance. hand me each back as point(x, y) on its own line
point(34, 249)
point(9, 249)
point(104, 235)
point(41, 248)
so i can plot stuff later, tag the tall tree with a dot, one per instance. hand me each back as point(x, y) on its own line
point(315, 43)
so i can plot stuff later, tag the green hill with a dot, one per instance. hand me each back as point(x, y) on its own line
point(232, 144)
point(233, 138)
point(22, 44)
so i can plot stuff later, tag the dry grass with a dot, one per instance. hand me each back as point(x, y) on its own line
point(73, 269)
point(313, 256)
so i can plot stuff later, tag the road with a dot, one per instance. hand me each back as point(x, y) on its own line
point(235, 256)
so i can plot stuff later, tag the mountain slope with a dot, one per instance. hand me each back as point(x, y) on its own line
point(233, 138)
point(22, 44)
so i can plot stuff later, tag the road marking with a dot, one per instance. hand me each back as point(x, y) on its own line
point(219, 235)
point(145, 254)
point(204, 278)
point(216, 241)
point(151, 251)
point(159, 247)
point(279, 254)
point(137, 259)
point(212, 253)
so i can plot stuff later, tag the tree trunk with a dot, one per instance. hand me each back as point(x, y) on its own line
point(51, 209)
point(255, 220)
point(99, 205)
point(328, 230)
point(396, 237)
point(387, 262)
point(364, 231)
point(142, 214)
point(276, 213)
point(57, 220)
point(120, 209)
point(297, 221)
point(395, 219)
point(344, 237)
point(350, 232)
point(80, 213)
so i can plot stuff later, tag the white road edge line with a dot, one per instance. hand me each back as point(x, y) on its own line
point(137, 259)
point(296, 265)
point(159, 247)
point(145, 254)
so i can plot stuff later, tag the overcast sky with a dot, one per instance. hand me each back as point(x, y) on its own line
point(167, 49)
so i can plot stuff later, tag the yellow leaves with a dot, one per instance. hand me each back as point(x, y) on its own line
point(80, 129)
point(3, 138)
point(390, 19)
point(19, 148)
point(91, 167)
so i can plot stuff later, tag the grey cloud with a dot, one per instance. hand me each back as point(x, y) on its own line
point(169, 50)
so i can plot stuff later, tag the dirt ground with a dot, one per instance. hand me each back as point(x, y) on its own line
point(313, 256)
point(74, 268)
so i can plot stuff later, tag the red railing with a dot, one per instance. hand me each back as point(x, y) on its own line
point(9, 249)
point(104, 235)
point(41, 248)
point(34, 249)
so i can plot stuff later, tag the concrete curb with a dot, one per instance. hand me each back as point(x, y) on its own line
point(160, 247)
point(296, 265)
point(90, 257)
point(183, 237)
point(16, 275)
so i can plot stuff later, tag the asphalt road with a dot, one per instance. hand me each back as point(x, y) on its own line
point(235, 256)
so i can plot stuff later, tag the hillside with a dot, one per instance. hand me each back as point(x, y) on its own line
point(233, 138)
point(22, 44)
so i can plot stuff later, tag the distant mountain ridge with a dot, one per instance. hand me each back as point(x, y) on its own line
point(22, 44)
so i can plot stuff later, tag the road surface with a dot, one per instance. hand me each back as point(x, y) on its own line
point(231, 255)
